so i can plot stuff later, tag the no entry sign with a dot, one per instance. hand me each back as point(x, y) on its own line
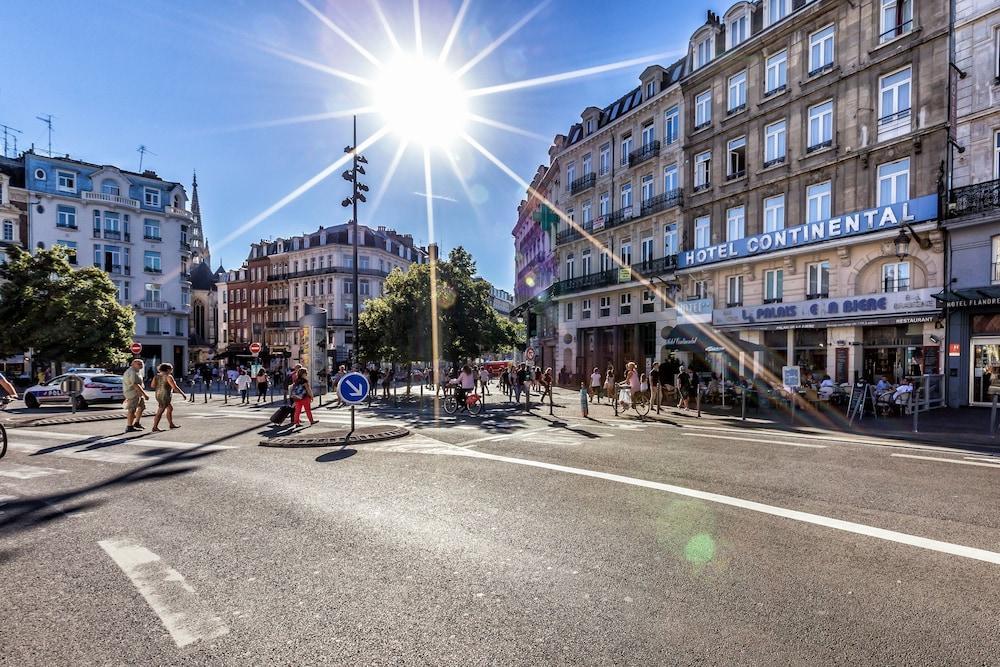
point(136, 348)
point(255, 348)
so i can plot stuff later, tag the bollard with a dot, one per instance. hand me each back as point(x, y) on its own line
point(993, 416)
point(550, 401)
point(743, 409)
point(226, 389)
point(698, 402)
point(791, 401)
point(915, 408)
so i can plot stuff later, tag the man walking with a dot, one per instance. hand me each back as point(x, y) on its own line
point(654, 386)
point(135, 396)
point(484, 380)
point(243, 383)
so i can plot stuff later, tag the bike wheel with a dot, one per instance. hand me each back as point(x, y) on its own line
point(476, 407)
point(641, 406)
point(450, 404)
point(3, 441)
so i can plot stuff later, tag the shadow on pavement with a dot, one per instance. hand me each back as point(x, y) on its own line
point(338, 455)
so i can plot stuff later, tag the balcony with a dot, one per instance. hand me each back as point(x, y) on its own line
point(701, 187)
point(585, 182)
point(567, 235)
point(894, 124)
point(305, 273)
point(817, 295)
point(895, 31)
point(898, 285)
point(650, 150)
point(820, 146)
point(150, 237)
point(616, 218)
point(776, 299)
point(739, 108)
point(975, 199)
point(734, 304)
point(115, 269)
point(821, 69)
point(185, 246)
point(180, 213)
point(736, 175)
point(114, 200)
point(662, 202)
point(154, 306)
point(283, 324)
point(702, 126)
point(186, 275)
point(283, 301)
point(774, 161)
point(152, 269)
point(774, 91)
point(655, 267)
point(590, 281)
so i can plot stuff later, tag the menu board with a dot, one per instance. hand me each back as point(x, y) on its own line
point(932, 355)
point(840, 364)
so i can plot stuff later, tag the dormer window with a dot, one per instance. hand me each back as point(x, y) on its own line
point(110, 187)
point(703, 51)
point(151, 196)
point(590, 126)
point(650, 89)
point(66, 181)
point(737, 30)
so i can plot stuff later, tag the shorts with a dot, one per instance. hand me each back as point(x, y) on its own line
point(132, 404)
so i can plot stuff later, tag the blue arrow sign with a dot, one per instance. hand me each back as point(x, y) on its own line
point(353, 388)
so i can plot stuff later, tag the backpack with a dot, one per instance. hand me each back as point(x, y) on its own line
point(298, 391)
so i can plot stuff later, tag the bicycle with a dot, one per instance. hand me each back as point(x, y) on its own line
point(638, 401)
point(3, 431)
point(473, 403)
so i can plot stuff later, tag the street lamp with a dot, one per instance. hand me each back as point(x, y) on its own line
point(356, 196)
point(902, 244)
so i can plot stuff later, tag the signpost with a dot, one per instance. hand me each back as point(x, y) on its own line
point(72, 386)
point(136, 348)
point(255, 349)
point(791, 377)
point(353, 389)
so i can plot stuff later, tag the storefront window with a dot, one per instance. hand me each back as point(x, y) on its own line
point(985, 355)
point(892, 351)
point(810, 351)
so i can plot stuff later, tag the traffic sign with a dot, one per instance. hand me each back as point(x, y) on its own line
point(255, 348)
point(136, 347)
point(353, 388)
point(529, 354)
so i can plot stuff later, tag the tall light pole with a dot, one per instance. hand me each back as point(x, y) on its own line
point(357, 194)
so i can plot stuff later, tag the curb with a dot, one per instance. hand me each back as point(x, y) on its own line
point(56, 420)
point(337, 437)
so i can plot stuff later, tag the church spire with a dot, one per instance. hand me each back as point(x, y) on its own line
point(195, 206)
point(199, 243)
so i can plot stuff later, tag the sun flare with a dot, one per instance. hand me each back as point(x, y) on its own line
point(421, 101)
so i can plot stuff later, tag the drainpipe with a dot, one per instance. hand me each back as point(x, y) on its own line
point(943, 207)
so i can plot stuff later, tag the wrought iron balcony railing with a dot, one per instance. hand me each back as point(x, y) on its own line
point(655, 267)
point(589, 281)
point(972, 199)
point(640, 155)
point(661, 202)
point(583, 183)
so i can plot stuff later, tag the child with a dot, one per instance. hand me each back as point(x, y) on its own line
point(584, 396)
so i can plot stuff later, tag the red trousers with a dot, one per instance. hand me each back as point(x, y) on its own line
point(300, 405)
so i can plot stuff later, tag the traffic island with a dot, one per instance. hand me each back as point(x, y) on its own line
point(337, 437)
point(29, 421)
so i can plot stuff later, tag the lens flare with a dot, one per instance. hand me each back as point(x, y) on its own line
point(421, 101)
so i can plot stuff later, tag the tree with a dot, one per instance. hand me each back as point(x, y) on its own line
point(397, 326)
point(63, 313)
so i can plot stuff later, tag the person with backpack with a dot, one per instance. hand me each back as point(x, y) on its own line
point(164, 386)
point(301, 395)
point(261, 385)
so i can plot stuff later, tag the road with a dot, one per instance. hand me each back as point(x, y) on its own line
point(507, 539)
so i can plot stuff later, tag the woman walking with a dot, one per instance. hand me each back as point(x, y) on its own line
point(164, 386)
point(609, 385)
point(261, 385)
point(302, 396)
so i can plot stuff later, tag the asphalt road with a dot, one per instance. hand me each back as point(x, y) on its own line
point(506, 539)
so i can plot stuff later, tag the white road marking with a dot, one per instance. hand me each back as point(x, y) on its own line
point(26, 472)
point(185, 616)
point(993, 460)
point(942, 460)
point(744, 439)
point(119, 439)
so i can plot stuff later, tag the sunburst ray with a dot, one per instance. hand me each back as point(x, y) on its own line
point(384, 187)
point(508, 128)
point(453, 33)
point(476, 59)
point(328, 22)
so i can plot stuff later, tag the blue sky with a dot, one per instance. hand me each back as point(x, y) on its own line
point(194, 81)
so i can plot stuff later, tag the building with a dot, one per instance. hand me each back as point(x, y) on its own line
point(502, 300)
point(622, 178)
point(203, 339)
point(13, 232)
point(779, 188)
point(972, 297)
point(266, 297)
point(134, 226)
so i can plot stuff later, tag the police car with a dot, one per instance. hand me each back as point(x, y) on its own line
point(98, 387)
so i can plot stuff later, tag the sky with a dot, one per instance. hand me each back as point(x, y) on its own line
point(214, 87)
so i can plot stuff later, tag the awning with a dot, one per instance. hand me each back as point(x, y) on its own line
point(689, 338)
point(970, 297)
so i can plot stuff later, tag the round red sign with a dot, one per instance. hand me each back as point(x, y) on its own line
point(254, 348)
point(136, 348)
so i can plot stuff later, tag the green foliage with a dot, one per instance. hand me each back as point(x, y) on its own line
point(64, 314)
point(397, 326)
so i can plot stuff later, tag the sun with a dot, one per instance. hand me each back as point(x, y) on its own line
point(421, 101)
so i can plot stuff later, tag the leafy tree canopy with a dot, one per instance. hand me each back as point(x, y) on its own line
point(63, 313)
point(397, 326)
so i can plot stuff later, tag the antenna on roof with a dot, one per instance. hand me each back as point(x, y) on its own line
point(11, 133)
point(47, 119)
point(142, 150)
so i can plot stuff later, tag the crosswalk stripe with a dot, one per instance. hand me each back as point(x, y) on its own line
point(139, 441)
point(18, 471)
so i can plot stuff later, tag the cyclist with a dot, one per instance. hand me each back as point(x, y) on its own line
point(631, 384)
point(465, 383)
point(7, 389)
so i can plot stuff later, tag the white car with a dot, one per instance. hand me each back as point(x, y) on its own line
point(97, 388)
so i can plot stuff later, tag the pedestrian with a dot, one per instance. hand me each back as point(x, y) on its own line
point(387, 380)
point(538, 379)
point(302, 396)
point(520, 382)
point(135, 396)
point(609, 385)
point(683, 387)
point(694, 388)
point(595, 385)
point(164, 386)
point(261, 385)
point(484, 380)
point(505, 381)
point(373, 376)
point(584, 395)
point(546, 384)
point(243, 383)
point(654, 386)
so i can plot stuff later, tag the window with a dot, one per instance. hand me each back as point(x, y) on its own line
point(153, 326)
point(151, 261)
point(703, 110)
point(647, 188)
point(123, 291)
point(774, 143)
point(585, 262)
point(151, 196)
point(818, 202)
point(626, 149)
point(570, 174)
point(588, 209)
point(821, 50)
point(734, 291)
point(8, 230)
point(671, 123)
point(152, 292)
point(737, 163)
point(178, 326)
point(70, 249)
point(670, 173)
point(570, 267)
point(569, 310)
point(590, 126)
point(737, 30)
point(585, 309)
point(646, 250)
point(896, 277)
point(348, 288)
point(818, 286)
point(648, 301)
point(626, 196)
point(703, 52)
point(897, 19)
point(603, 205)
point(737, 92)
point(670, 240)
point(776, 73)
point(776, 10)
point(702, 232)
point(650, 89)
point(151, 229)
point(735, 223)
point(774, 213)
point(774, 285)
point(702, 170)
point(700, 289)
point(625, 252)
point(587, 164)
point(894, 104)
point(996, 144)
point(364, 287)
point(110, 187)
point(66, 217)
point(605, 159)
point(605, 307)
point(820, 126)
point(648, 135)
point(625, 304)
point(893, 182)
point(66, 181)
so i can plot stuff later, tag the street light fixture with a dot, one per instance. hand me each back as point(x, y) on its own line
point(356, 196)
point(902, 244)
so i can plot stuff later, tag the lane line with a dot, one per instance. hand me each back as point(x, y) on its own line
point(140, 441)
point(18, 471)
point(766, 442)
point(183, 613)
point(994, 460)
point(942, 460)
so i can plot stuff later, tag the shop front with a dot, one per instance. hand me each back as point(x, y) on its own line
point(973, 343)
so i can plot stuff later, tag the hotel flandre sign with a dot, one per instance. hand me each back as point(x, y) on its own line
point(870, 220)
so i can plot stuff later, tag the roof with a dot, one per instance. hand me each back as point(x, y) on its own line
point(202, 277)
point(147, 174)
